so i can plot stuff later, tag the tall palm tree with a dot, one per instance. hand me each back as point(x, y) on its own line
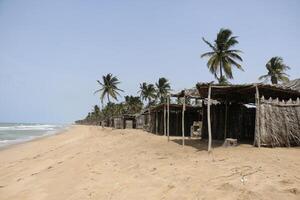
point(109, 87)
point(133, 104)
point(147, 92)
point(276, 71)
point(163, 87)
point(223, 57)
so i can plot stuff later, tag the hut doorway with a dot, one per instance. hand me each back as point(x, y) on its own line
point(240, 122)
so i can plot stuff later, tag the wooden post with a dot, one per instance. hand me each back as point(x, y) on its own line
point(149, 120)
point(208, 119)
point(156, 122)
point(225, 128)
point(183, 109)
point(168, 121)
point(257, 118)
point(165, 121)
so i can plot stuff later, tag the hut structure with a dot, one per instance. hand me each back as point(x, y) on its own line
point(175, 119)
point(140, 121)
point(267, 115)
point(124, 121)
point(192, 114)
point(293, 84)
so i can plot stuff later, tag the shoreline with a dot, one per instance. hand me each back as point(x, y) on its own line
point(58, 132)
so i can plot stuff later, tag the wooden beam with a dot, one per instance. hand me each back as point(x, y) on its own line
point(165, 120)
point(257, 119)
point(168, 121)
point(225, 128)
point(208, 120)
point(156, 123)
point(182, 125)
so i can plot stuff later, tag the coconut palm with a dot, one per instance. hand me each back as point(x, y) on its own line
point(133, 104)
point(163, 88)
point(147, 92)
point(223, 57)
point(109, 87)
point(276, 71)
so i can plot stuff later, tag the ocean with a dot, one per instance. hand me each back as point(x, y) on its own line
point(13, 133)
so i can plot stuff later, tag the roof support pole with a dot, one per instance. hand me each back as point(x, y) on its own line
point(208, 120)
point(165, 120)
point(149, 121)
point(168, 121)
point(156, 122)
point(225, 128)
point(182, 126)
point(257, 119)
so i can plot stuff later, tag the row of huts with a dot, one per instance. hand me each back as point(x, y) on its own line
point(261, 114)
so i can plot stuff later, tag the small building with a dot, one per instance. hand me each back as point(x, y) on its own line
point(191, 114)
point(126, 121)
point(265, 115)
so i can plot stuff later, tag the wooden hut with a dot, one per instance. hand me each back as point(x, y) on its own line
point(140, 121)
point(174, 119)
point(268, 115)
point(192, 114)
point(124, 121)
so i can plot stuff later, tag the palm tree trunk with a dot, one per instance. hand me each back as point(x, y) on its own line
point(274, 80)
point(108, 100)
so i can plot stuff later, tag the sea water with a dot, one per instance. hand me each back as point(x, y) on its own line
point(12, 133)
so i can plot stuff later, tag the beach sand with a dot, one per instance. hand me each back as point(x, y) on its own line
point(88, 162)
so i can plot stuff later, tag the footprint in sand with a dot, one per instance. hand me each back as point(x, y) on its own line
point(294, 191)
point(35, 157)
point(286, 182)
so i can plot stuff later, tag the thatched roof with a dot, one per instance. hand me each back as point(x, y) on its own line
point(192, 93)
point(160, 107)
point(294, 84)
point(246, 93)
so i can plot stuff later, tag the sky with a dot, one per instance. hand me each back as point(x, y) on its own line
point(52, 52)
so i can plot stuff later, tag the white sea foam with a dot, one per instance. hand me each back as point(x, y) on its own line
point(17, 133)
point(30, 127)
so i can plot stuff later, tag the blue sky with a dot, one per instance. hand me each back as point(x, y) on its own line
point(52, 52)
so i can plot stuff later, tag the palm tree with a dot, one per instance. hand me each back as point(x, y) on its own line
point(276, 71)
point(109, 87)
point(133, 104)
point(163, 88)
point(222, 57)
point(147, 92)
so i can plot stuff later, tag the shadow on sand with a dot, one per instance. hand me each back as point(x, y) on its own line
point(199, 144)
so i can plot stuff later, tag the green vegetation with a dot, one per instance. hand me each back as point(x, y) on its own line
point(222, 57)
point(163, 88)
point(276, 71)
point(148, 92)
point(131, 105)
point(221, 60)
point(109, 87)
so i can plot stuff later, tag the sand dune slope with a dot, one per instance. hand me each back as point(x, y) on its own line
point(88, 162)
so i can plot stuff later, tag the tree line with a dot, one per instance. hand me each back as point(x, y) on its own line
point(109, 89)
point(221, 60)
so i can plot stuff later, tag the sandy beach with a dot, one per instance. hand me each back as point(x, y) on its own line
point(88, 162)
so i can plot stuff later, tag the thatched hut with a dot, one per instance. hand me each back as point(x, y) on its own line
point(268, 115)
point(124, 121)
point(172, 119)
point(157, 125)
